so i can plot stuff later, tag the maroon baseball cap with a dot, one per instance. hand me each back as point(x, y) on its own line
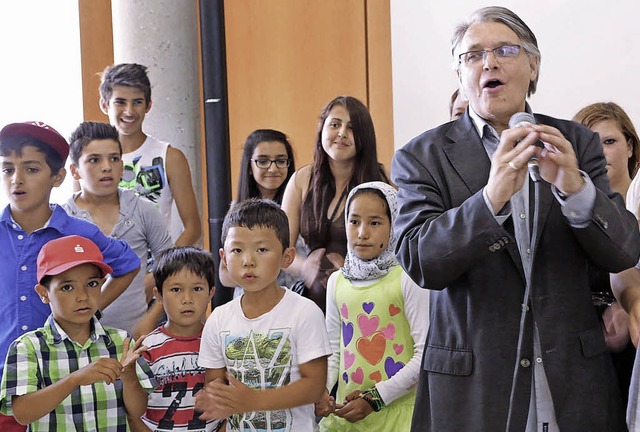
point(64, 253)
point(40, 131)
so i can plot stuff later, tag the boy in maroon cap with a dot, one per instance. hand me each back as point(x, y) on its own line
point(74, 371)
point(32, 157)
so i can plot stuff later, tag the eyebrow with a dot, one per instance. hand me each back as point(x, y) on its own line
point(124, 99)
point(477, 46)
point(32, 162)
point(101, 154)
point(95, 276)
point(268, 156)
point(370, 217)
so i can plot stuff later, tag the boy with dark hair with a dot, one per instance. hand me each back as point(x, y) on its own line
point(184, 279)
point(155, 169)
point(73, 370)
point(32, 156)
point(97, 165)
point(265, 352)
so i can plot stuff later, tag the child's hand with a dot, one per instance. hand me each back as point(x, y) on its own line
point(354, 408)
point(219, 400)
point(103, 369)
point(336, 259)
point(130, 354)
point(326, 405)
point(311, 266)
point(205, 402)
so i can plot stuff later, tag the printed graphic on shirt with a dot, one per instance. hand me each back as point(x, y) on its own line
point(171, 405)
point(368, 338)
point(147, 181)
point(260, 361)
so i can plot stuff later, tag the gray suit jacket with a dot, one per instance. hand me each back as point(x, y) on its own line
point(450, 242)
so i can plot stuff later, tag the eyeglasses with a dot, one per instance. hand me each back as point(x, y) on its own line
point(266, 163)
point(502, 53)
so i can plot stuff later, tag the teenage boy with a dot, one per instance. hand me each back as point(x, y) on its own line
point(266, 351)
point(32, 157)
point(155, 169)
point(97, 165)
point(184, 278)
point(74, 372)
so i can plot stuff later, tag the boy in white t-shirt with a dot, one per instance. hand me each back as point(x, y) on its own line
point(265, 352)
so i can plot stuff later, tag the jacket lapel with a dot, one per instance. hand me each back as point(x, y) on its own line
point(466, 154)
point(468, 157)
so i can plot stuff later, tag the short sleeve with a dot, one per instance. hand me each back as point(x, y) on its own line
point(145, 375)
point(20, 373)
point(155, 229)
point(312, 341)
point(211, 353)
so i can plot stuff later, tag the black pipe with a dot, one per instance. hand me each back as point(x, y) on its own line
point(216, 128)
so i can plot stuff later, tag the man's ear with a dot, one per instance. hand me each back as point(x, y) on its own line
point(534, 65)
point(148, 107)
point(157, 294)
point(288, 256)
point(58, 178)
point(43, 293)
point(104, 107)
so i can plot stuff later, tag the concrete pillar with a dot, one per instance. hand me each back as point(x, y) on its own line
point(163, 35)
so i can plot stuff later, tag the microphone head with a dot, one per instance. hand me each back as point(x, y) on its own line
point(520, 118)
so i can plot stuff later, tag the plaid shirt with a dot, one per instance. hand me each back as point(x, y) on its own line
point(44, 356)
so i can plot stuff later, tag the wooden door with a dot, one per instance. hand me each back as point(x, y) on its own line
point(287, 58)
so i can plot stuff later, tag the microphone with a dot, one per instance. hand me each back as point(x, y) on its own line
point(521, 119)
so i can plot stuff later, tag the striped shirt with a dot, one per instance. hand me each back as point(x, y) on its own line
point(174, 361)
point(44, 356)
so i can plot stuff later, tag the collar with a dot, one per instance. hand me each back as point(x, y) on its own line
point(56, 335)
point(54, 220)
point(479, 123)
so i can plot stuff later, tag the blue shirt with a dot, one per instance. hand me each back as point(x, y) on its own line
point(20, 307)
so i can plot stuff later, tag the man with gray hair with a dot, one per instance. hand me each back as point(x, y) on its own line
point(514, 342)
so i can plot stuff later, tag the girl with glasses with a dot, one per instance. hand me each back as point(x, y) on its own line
point(267, 164)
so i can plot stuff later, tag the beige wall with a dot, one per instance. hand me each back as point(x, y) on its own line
point(587, 56)
point(287, 58)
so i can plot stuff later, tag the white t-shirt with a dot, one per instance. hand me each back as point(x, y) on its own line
point(266, 352)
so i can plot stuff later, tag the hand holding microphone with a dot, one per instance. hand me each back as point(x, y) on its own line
point(509, 165)
point(521, 119)
point(556, 163)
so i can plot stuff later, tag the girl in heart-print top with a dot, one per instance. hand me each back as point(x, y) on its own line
point(377, 320)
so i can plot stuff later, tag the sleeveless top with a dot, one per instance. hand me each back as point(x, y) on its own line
point(145, 171)
point(335, 241)
point(375, 343)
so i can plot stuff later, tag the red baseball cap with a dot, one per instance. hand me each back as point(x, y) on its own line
point(40, 131)
point(64, 253)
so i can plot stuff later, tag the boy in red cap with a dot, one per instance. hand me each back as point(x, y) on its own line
point(74, 371)
point(32, 157)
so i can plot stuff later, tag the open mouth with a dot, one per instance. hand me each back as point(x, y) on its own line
point(493, 84)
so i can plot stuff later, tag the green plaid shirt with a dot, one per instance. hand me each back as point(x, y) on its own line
point(42, 357)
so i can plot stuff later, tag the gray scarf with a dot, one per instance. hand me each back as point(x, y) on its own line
point(358, 269)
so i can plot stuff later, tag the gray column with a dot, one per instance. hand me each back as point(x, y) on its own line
point(163, 35)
